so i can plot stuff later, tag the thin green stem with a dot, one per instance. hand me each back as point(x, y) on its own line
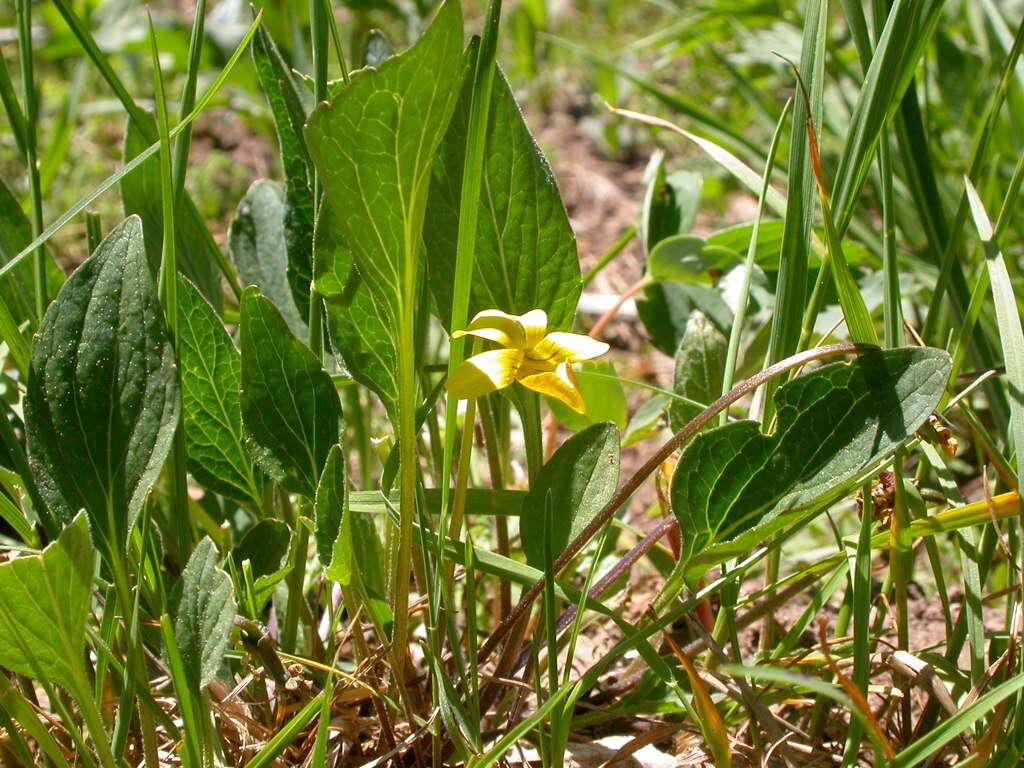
point(739, 320)
point(24, 12)
point(168, 291)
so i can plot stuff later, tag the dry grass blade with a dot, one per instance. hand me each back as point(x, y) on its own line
point(853, 692)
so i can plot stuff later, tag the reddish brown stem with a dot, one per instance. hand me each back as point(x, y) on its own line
point(613, 310)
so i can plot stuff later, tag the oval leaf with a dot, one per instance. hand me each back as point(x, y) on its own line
point(102, 401)
point(525, 247)
point(212, 414)
point(700, 368)
point(582, 477)
point(206, 614)
point(259, 249)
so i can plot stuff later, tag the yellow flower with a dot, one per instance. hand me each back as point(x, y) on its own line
point(526, 353)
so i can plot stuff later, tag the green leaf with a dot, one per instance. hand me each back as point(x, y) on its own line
point(290, 407)
point(525, 247)
point(289, 118)
point(266, 546)
point(646, 422)
point(1011, 336)
point(103, 397)
point(670, 203)
point(17, 289)
point(357, 325)
point(665, 309)
point(205, 616)
point(603, 397)
point(726, 248)
point(373, 145)
point(735, 486)
point(44, 605)
point(358, 560)
point(259, 249)
point(700, 367)
point(680, 259)
point(211, 377)
point(141, 195)
point(329, 506)
point(581, 477)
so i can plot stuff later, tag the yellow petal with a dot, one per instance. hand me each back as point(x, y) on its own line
point(559, 347)
point(519, 331)
point(559, 384)
point(535, 325)
point(484, 373)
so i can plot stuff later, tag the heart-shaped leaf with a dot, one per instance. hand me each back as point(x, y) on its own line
point(525, 247)
point(210, 382)
point(206, 614)
point(679, 259)
point(103, 396)
point(44, 604)
point(581, 477)
point(290, 407)
point(734, 486)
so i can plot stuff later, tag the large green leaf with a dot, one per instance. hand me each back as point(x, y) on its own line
point(205, 616)
point(525, 247)
point(141, 195)
point(211, 377)
point(373, 145)
point(734, 486)
point(290, 407)
point(260, 252)
point(357, 325)
point(44, 604)
point(581, 477)
point(103, 398)
point(700, 367)
point(289, 117)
